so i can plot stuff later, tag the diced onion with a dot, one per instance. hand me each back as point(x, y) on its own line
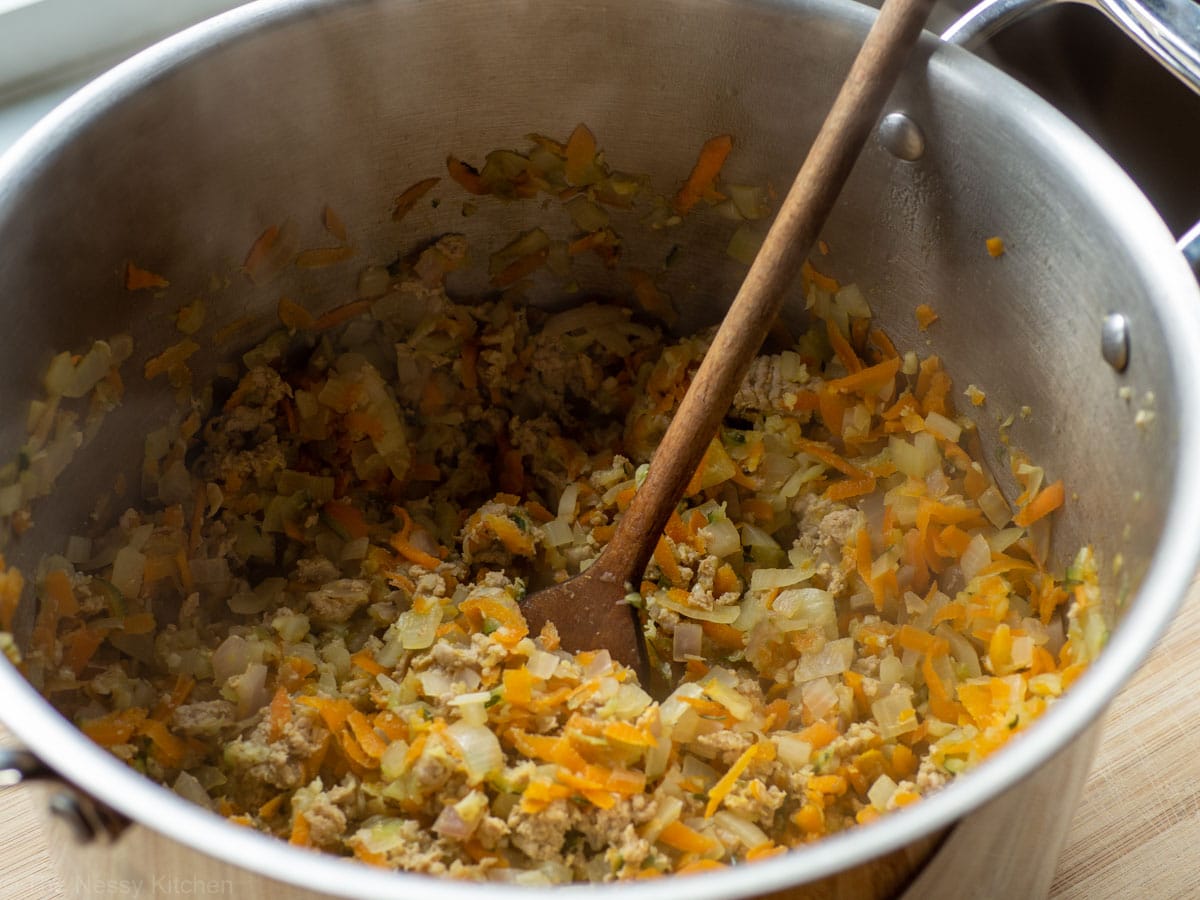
point(10, 499)
point(558, 532)
point(895, 714)
point(805, 607)
point(566, 503)
point(940, 425)
point(449, 824)
point(918, 459)
point(188, 787)
point(724, 615)
point(850, 298)
point(668, 811)
point(977, 555)
point(79, 549)
point(739, 707)
point(472, 707)
point(686, 642)
point(629, 702)
point(819, 697)
point(480, 749)
point(418, 630)
point(747, 833)
point(881, 792)
point(793, 751)
point(767, 579)
point(473, 697)
point(891, 671)
point(832, 659)
point(355, 549)
point(392, 762)
point(373, 282)
point(1002, 540)
point(542, 664)
point(247, 603)
point(230, 659)
point(744, 244)
point(128, 567)
point(435, 683)
point(995, 507)
point(599, 665)
point(1022, 652)
point(961, 649)
point(721, 538)
point(251, 690)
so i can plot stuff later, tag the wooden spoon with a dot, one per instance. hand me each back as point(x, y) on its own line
point(589, 610)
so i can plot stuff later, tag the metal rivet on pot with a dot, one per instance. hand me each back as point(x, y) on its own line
point(902, 137)
point(68, 809)
point(19, 765)
point(1114, 341)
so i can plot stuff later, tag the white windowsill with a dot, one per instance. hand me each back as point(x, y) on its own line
point(51, 48)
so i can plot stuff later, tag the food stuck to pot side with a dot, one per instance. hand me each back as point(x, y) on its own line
point(315, 629)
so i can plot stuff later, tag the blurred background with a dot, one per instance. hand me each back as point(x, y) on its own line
point(1069, 54)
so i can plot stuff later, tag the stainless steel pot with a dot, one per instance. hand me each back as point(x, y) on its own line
point(179, 158)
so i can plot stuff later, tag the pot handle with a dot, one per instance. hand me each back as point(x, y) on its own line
point(1168, 30)
point(87, 819)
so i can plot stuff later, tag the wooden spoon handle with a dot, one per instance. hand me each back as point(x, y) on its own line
point(760, 298)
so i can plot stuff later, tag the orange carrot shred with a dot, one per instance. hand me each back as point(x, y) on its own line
point(137, 279)
point(704, 174)
point(404, 203)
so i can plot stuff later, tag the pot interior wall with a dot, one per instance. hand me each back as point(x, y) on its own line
point(348, 104)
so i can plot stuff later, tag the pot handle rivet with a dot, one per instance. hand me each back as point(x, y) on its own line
point(67, 808)
point(17, 766)
point(1114, 341)
point(902, 137)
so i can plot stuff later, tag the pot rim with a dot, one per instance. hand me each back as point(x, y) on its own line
point(65, 749)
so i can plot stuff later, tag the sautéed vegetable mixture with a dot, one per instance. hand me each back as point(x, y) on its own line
point(315, 630)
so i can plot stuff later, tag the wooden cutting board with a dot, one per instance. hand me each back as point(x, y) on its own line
point(1134, 834)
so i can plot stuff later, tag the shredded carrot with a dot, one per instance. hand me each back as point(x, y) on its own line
point(272, 806)
point(625, 733)
point(301, 835)
point(466, 175)
point(404, 203)
point(580, 153)
point(704, 174)
point(925, 316)
point(350, 518)
point(137, 279)
point(521, 267)
point(821, 280)
point(510, 623)
point(370, 742)
point(322, 257)
point(665, 558)
point(995, 247)
point(260, 250)
point(1048, 499)
point(842, 348)
point(687, 840)
point(722, 788)
point(333, 223)
point(413, 554)
point(868, 379)
point(280, 714)
point(365, 660)
point(340, 314)
point(173, 356)
point(700, 865)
